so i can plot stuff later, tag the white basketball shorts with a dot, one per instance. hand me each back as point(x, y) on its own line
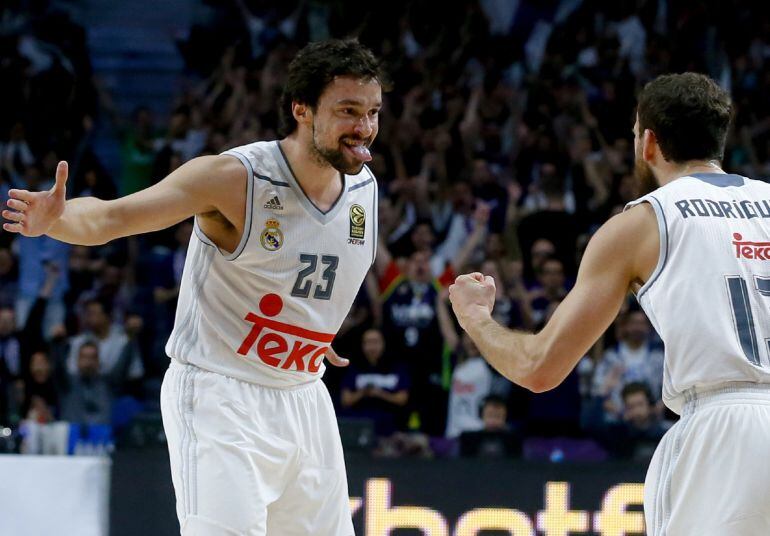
point(710, 475)
point(253, 460)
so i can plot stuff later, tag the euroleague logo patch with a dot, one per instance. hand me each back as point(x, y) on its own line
point(357, 225)
point(272, 236)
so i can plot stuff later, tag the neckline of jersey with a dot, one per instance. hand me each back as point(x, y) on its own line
point(310, 207)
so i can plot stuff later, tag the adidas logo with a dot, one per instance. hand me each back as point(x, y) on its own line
point(274, 204)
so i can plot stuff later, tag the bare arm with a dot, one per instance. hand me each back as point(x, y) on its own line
point(200, 186)
point(623, 252)
point(398, 398)
point(383, 259)
point(445, 323)
point(351, 398)
point(477, 236)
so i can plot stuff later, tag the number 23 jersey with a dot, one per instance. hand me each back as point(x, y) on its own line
point(709, 296)
point(267, 312)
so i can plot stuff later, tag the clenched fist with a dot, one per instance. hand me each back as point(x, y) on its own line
point(473, 297)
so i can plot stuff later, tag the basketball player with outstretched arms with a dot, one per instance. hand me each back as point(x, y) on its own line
point(285, 232)
point(696, 252)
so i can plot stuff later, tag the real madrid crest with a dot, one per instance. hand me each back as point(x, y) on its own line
point(357, 223)
point(272, 236)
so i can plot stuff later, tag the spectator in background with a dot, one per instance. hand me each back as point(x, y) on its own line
point(410, 325)
point(377, 388)
point(495, 439)
point(92, 180)
point(83, 267)
point(551, 220)
point(37, 256)
point(17, 155)
point(550, 290)
point(632, 360)
point(471, 384)
point(87, 395)
point(112, 342)
point(40, 392)
point(137, 152)
point(640, 430)
point(8, 278)
point(10, 346)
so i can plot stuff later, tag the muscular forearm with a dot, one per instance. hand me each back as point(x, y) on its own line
point(86, 221)
point(515, 354)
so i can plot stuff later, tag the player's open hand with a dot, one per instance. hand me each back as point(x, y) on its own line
point(472, 296)
point(336, 360)
point(34, 213)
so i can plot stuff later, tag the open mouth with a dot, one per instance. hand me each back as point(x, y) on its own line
point(357, 149)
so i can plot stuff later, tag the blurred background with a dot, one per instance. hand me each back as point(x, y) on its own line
point(505, 143)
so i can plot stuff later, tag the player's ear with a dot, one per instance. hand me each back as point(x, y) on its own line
point(301, 112)
point(649, 145)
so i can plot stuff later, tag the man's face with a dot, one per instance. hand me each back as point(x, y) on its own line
point(373, 345)
point(422, 237)
point(96, 319)
point(7, 322)
point(637, 328)
point(552, 275)
point(645, 178)
point(345, 123)
point(541, 250)
point(419, 267)
point(88, 361)
point(493, 416)
point(40, 367)
point(6, 261)
point(638, 409)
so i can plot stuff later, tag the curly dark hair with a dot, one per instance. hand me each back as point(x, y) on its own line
point(689, 114)
point(316, 65)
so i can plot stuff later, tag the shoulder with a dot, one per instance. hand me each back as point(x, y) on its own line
point(622, 230)
point(214, 168)
point(627, 245)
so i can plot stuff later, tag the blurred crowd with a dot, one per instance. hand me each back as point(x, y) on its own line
point(505, 142)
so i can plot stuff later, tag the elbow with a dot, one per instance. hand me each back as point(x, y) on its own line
point(541, 375)
point(539, 383)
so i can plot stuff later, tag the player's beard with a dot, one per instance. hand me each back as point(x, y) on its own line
point(645, 178)
point(334, 157)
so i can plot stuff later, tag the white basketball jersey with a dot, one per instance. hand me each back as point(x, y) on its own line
point(709, 296)
point(267, 312)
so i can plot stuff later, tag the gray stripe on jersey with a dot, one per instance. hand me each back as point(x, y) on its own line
point(183, 342)
point(182, 444)
point(191, 329)
point(272, 181)
point(663, 253)
point(250, 174)
point(361, 184)
point(194, 261)
point(721, 180)
point(375, 211)
point(187, 448)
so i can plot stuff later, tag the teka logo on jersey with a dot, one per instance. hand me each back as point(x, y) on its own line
point(751, 250)
point(281, 345)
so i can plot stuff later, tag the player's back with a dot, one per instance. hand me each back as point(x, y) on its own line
point(709, 296)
